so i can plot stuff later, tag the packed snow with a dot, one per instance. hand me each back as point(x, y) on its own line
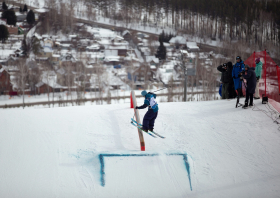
point(55, 152)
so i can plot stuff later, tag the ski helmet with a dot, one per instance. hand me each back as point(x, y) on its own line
point(238, 57)
point(144, 93)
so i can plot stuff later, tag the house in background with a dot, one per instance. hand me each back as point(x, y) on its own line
point(117, 39)
point(111, 57)
point(178, 41)
point(122, 50)
point(3, 21)
point(21, 17)
point(192, 47)
point(5, 82)
point(43, 88)
point(67, 58)
point(12, 29)
point(152, 60)
point(126, 35)
point(48, 42)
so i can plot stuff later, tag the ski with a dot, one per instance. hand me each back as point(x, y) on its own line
point(142, 130)
point(237, 103)
point(149, 130)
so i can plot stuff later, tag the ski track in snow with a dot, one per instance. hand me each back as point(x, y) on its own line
point(54, 152)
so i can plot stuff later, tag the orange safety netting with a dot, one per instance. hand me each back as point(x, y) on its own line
point(270, 80)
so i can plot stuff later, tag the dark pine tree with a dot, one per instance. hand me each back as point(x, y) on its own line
point(161, 36)
point(30, 17)
point(10, 16)
point(25, 8)
point(20, 9)
point(4, 33)
point(170, 36)
point(161, 52)
point(4, 6)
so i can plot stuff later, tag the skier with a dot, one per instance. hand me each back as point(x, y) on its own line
point(151, 115)
point(237, 69)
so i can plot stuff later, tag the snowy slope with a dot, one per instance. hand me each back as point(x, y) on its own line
point(55, 152)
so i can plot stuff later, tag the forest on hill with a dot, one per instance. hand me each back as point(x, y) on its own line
point(251, 21)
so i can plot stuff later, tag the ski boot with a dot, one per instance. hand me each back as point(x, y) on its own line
point(245, 106)
point(146, 130)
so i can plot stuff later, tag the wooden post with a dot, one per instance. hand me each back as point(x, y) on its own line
point(136, 114)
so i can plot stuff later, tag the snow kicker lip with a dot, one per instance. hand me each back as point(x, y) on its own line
point(102, 156)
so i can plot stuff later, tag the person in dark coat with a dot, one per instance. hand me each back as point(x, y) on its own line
point(231, 90)
point(250, 77)
point(151, 115)
point(225, 79)
point(237, 68)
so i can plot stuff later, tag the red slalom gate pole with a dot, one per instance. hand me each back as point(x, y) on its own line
point(265, 71)
point(136, 113)
point(131, 101)
point(254, 63)
point(278, 76)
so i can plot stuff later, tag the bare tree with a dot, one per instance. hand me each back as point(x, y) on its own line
point(69, 79)
point(34, 75)
point(170, 89)
point(22, 77)
point(152, 41)
point(99, 72)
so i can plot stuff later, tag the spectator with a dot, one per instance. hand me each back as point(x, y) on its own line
point(259, 65)
point(238, 68)
point(250, 77)
point(231, 90)
point(225, 79)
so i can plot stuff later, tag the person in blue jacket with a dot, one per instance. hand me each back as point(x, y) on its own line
point(151, 115)
point(237, 68)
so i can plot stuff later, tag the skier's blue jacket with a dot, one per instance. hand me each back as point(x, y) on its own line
point(237, 68)
point(150, 101)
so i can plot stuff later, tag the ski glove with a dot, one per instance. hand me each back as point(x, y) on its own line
point(136, 107)
point(258, 78)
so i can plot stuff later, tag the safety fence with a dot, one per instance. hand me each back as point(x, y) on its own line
point(270, 79)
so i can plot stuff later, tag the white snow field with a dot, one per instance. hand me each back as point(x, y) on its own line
point(57, 152)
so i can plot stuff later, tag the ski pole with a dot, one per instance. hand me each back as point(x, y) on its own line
point(160, 89)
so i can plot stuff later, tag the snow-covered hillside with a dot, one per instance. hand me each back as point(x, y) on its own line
point(56, 152)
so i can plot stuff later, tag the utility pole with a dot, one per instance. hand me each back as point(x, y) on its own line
point(186, 77)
